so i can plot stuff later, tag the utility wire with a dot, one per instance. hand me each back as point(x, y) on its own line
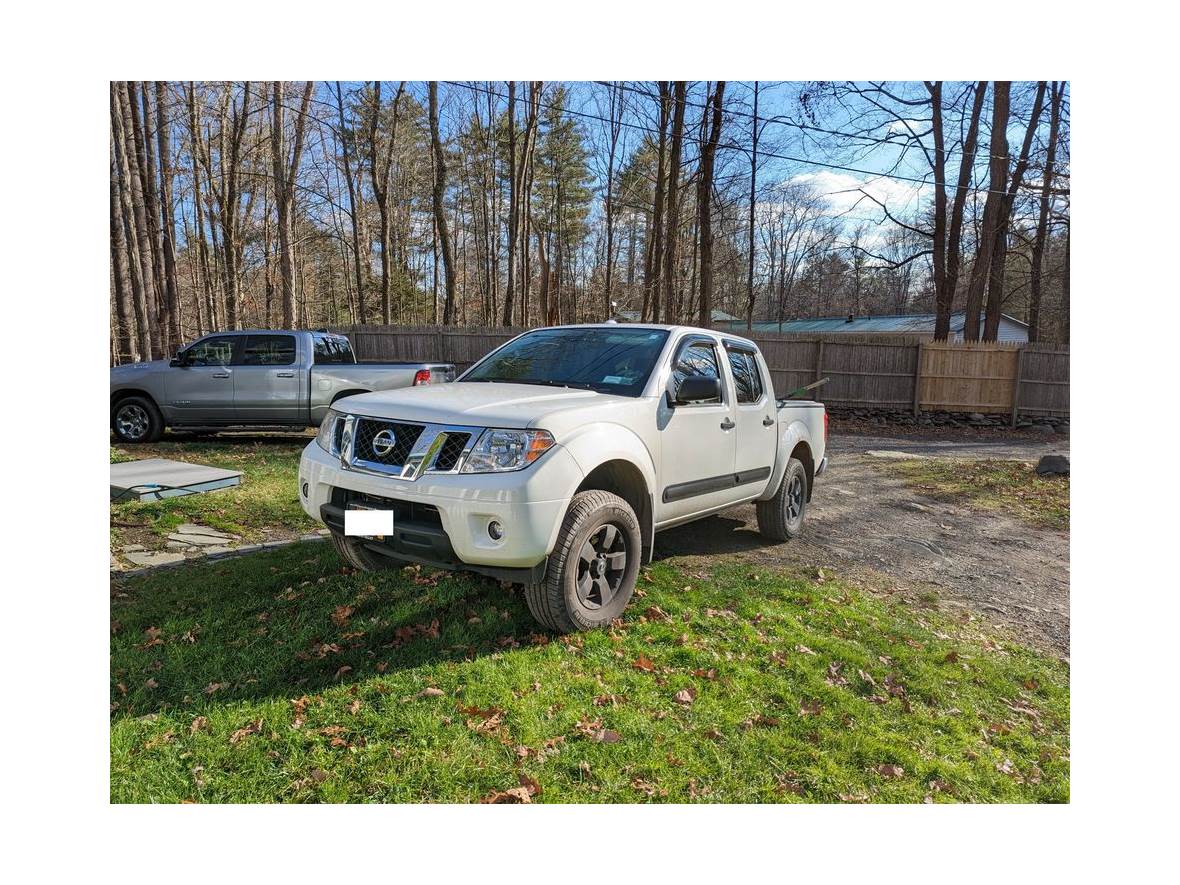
point(787, 157)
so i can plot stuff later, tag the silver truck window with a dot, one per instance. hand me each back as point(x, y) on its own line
point(211, 352)
point(332, 351)
point(745, 375)
point(700, 359)
point(269, 350)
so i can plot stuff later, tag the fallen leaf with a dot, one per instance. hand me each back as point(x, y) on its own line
point(198, 723)
point(341, 615)
point(355, 707)
point(642, 663)
point(834, 677)
point(889, 770)
point(1006, 767)
point(151, 684)
point(343, 670)
point(705, 674)
point(246, 731)
point(655, 613)
point(515, 796)
point(214, 687)
point(810, 708)
point(686, 696)
point(803, 650)
point(430, 692)
point(605, 736)
point(318, 775)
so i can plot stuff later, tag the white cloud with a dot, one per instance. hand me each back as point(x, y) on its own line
point(845, 193)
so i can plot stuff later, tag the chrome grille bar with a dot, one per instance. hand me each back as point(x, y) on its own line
point(422, 457)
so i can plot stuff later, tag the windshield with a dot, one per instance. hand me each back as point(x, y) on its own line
point(609, 360)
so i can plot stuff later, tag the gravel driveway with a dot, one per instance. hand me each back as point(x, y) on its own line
point(865, 523)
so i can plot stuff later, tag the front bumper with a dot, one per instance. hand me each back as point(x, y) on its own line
point(530, 505)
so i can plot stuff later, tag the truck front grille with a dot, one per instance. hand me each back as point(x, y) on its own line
point(384, 442)
point(402, 449)
point(451, 451)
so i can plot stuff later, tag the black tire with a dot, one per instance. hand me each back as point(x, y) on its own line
point(354, 553)
point(781, 517)
point(135, 419)
point(593, 568)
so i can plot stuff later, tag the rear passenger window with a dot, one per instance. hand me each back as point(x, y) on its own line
point(269, 350)
point(333, 351)
point(698, 359)
point(746, 378)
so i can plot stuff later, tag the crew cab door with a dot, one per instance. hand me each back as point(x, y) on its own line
point(756, 417)
point(697, 440)
point(201, 388)
point(268, 381)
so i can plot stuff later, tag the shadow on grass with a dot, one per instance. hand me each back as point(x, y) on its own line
point(292, 622)
point(713, 536)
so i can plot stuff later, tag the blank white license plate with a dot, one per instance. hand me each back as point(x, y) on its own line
point(368, 523)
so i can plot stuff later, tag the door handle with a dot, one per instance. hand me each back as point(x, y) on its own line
point(727, 424)
point(767, 421)
point(284, 374)
point(219, 375)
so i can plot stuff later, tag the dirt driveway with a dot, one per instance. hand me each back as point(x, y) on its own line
point(865, 523)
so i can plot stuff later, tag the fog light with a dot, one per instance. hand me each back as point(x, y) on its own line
point(304, 490)
point(495, 530)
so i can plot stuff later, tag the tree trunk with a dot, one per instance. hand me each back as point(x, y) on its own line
point(995, 291)
point(1038, 252)
point(673, 213)
point(704, 199)
point(125, 345)
point(139, 238)
point(145, 159)
point(992, 208)
point(655, 235)
point(510, 291)
point(285, 169)
point(942, 310)
point(440, 217)
point(167, 221)
point(954, 249)
point(352, 207)
point(753, 198)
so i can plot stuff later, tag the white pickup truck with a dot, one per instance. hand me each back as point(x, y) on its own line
point(555, 460)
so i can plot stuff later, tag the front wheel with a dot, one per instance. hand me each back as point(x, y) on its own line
point(354, 552)
point(136, 419)
point(594, 566)
point(781, 517)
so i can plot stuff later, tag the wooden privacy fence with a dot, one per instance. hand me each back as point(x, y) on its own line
point(864, 372)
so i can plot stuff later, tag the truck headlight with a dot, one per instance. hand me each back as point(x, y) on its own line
point(326, 437)
point(497, 451)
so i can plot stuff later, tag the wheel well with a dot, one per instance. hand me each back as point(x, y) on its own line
point(119, 395)
point(802, 452)
point(624, 479)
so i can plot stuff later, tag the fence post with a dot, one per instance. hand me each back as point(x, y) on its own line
point(819, 367)
point(918, 380)
point(1016, 384)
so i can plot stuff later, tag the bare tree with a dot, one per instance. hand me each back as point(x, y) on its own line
point(285, 166)
point(673, 208)
point(380, 167)
point(992, 208)
point(440, 216)
point(704, 208)
point(167, 220)
point(655, 235)
point(1038, 253)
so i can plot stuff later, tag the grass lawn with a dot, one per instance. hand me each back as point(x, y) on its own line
point(283, 676)
point(264, 507)
point(1009, 486)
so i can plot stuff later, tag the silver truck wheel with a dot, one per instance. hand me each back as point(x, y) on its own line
point(781, 518)
point(353, 552)
point(136, 419)
point(593, 568)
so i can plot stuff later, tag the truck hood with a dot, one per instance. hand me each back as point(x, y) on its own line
point(482, 404)
point(133, 370)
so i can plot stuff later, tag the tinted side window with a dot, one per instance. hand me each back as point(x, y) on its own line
point(269, 350)
point(745, 376)
point(697, 359)
point(329, 351)
point(211, 352)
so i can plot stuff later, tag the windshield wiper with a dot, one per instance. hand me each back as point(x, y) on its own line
point(542, 382)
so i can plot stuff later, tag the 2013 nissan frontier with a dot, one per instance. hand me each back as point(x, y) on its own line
point(555, 460)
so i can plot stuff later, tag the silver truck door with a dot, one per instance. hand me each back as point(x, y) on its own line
point(202, 388)
point(268, 381)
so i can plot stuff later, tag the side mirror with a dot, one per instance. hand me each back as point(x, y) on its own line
point(177, 361)
point(696, 388)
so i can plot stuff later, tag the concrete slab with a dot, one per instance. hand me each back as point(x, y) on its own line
point(155, 558)
point(154, 478)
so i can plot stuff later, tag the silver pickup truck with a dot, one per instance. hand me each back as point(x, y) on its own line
point(251, 380)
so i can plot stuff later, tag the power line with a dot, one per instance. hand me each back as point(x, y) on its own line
point(869, 172)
